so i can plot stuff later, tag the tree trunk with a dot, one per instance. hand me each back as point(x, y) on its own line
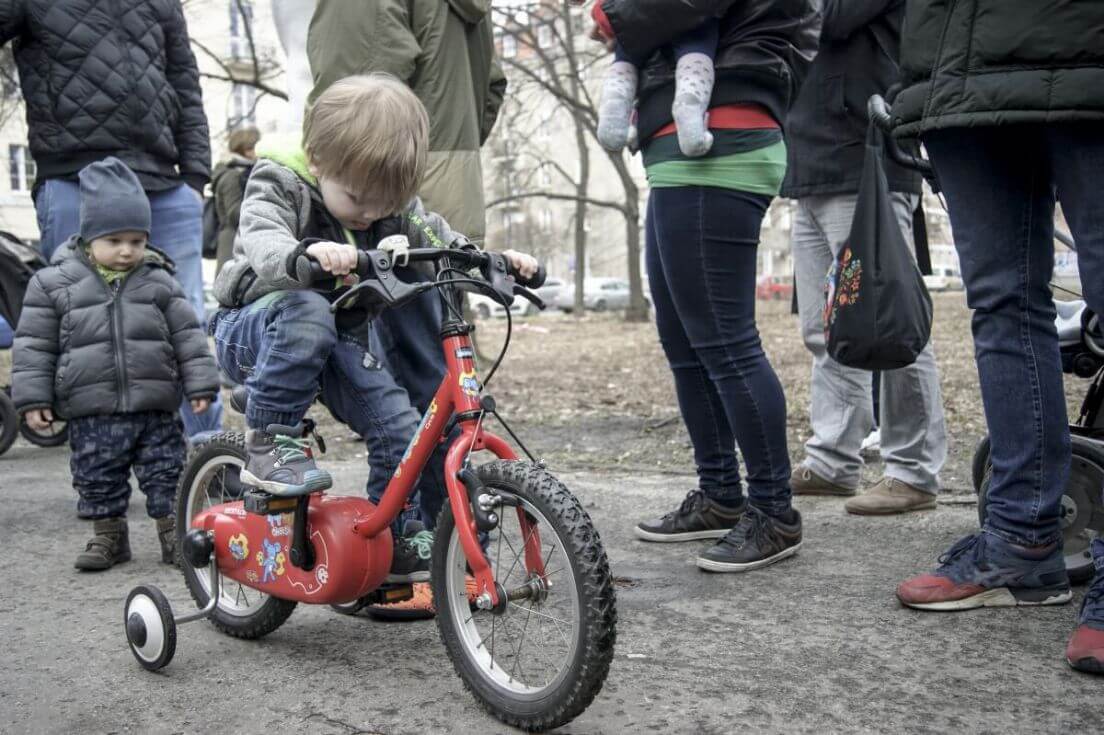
point(583, 182)
point(638, 306)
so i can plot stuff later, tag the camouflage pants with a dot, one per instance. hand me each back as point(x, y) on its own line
point(106, 448)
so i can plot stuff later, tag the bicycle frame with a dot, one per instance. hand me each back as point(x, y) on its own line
point(459, 395)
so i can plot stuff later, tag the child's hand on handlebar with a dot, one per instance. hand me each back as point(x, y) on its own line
point(337, 258)
point(523, 263)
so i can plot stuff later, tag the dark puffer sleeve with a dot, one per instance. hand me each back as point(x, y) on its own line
point(193, 142)
point(197, 366)
point(35, 353)
point(12, 14)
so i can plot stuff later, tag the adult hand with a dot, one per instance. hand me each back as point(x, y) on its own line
point(334, 257)
point(526, 265)
point(200, 405)
point(39, 419)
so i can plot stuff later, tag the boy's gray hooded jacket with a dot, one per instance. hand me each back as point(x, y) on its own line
point(84, 348)
point(282, 208)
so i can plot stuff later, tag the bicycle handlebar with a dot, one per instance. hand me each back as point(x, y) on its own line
point(375, 270)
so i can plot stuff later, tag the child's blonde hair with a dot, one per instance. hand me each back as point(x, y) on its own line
point(371, 133)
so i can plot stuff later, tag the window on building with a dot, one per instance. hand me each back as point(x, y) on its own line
point(243, 106)
point(241, 17)
point(509, 46)
point(544, 35)
point(22, 168)
point(546, 220)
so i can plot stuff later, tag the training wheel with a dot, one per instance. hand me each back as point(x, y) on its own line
point(150, 628)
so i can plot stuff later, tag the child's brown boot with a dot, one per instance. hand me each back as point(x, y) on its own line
point(109, 546)
point(166, 532)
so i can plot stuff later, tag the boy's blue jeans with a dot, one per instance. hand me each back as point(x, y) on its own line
point(1001, 183)
point(286, 350)
point(176, 228)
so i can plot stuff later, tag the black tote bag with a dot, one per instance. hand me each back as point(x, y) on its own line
point(877, 311)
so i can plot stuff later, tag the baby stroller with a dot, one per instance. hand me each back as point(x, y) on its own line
point(18, 262)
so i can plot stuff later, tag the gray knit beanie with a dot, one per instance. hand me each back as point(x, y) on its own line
point(111, 200)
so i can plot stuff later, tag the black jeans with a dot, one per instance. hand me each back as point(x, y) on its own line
point(1001, 183)
point(701, 253)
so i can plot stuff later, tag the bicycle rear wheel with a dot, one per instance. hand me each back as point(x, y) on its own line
point(540, 659)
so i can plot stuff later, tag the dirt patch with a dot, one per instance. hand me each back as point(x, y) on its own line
point(595, 392)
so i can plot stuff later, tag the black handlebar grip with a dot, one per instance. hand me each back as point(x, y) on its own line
point(536, 281)
point(308, 270)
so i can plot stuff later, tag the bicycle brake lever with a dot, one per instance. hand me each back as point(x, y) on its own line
point(530, 297)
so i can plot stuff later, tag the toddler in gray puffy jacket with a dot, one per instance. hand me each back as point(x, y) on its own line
point(108, 341)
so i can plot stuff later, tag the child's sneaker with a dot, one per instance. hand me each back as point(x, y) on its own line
point(984, 570)
point(166, 534)
point(281, 462)
point(1085, 650)
point(109, 546)
point(410, 557)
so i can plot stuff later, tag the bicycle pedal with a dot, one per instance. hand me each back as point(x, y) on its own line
point(390, 594)
point(264, 504)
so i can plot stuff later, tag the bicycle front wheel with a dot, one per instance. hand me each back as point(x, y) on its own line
point(539, 659)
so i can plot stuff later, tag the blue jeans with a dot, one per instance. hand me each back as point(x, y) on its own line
point(700, 253)
point(176, 230)
point(1001, 183)
point(285, 349)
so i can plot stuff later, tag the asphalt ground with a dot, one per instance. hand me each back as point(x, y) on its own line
point(814, 644)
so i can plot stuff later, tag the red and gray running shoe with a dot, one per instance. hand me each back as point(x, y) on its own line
point(1085, 650)
point(984, 570)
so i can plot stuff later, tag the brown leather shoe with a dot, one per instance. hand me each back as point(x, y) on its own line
point(804, 481)
point(888, 497)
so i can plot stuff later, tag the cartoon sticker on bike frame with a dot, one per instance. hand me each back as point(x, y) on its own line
point(239, 547)
point(271, 560)
point(469, 384)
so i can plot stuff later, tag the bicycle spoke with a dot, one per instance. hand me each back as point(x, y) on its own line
point(555, 621)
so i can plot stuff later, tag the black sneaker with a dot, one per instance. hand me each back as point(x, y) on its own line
point(758, 540)
point(697, 517)
point(410, 558)
point(280, 462)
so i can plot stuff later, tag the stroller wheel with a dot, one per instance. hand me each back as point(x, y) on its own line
point(1080, 502)
point(9, 422)
point(980, 463)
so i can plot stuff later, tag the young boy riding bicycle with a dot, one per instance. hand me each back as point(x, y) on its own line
point(351, 184)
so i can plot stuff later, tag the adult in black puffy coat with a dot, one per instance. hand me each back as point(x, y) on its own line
point(1007, 98)
point(116, 78)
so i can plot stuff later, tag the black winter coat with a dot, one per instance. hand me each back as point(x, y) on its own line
point(967, 63)
point(826, 129)
point(109, 78)
point(763, 52)
point(86, 348)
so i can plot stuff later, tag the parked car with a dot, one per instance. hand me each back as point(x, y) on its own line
point(484, 307)
point(599, 294)
point(943, 279)
point(549, 293)
point(774, 287)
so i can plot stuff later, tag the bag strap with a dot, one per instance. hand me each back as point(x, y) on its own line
point(920, 238)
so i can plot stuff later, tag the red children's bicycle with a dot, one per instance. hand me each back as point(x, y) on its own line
point(533, 641)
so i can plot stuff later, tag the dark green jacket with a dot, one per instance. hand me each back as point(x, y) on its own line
point(967, 63)
point(443, 49)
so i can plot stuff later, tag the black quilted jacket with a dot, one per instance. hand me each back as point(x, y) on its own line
point(109, 78)
point(86, 348)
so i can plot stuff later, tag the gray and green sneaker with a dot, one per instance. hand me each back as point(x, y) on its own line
point(280, 462)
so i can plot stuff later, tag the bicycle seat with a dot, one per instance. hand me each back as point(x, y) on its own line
point(1068, 321)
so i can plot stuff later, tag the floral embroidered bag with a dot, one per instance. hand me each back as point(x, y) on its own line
point(877, 310)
